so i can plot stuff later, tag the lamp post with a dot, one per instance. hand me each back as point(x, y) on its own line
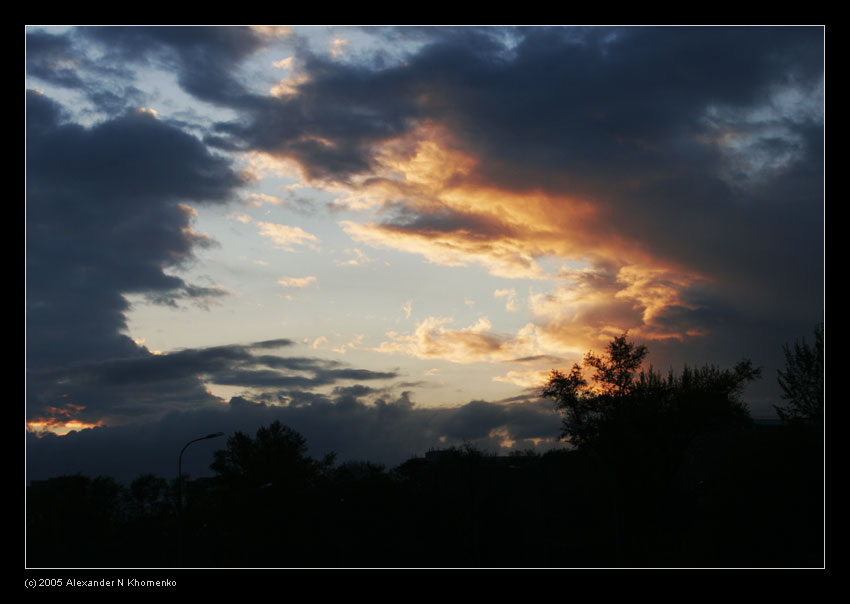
point(180, 493)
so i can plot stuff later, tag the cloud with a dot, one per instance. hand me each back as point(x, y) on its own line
point(104, 63)
point(513, 94)
point(337, 47)
point(144, 387)
point(431, 340)
point(678, 154)
point(510, 298)
point(203, 297)
point(52, 58)
point(619, 142)
point(359, 258)
point(61, 60)
point(356, 422)
point(285, 236)
point(506, 258)
point(204, 58)
point(597, 303)
point(528, 378)
point(258, 199)
point(677, 172)
point(297, 282)
point(106, 214)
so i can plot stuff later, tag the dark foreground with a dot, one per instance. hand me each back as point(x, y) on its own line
point(750, 497)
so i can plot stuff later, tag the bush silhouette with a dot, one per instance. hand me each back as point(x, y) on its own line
point(626, 403)
point(802, 382)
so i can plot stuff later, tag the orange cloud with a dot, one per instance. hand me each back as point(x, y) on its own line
point(451, 217)
point(590, 306)
point(654, 291)
point(431, 340)
point(59, 421)
point(432, 202)
point(504, 257)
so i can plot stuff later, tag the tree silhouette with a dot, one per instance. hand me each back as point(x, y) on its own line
point(266, 489)
point(572, 398)
point(626, 403)
point(636, 427)
point(276, 457)
point(586, 408)
point(614, 371)
point(802, 382)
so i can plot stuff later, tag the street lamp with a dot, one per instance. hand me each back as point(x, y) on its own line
point(180, 489)
point(180, 464)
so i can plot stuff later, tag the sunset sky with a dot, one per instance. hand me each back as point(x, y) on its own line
point(387, 237)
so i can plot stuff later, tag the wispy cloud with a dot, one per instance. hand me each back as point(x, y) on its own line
point(357, 258)
point(258, 199)
point(528, 378)
point(285, 236)
point(510, 298)
point(297, 282)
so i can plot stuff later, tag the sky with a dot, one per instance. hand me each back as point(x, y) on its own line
point(387, 237)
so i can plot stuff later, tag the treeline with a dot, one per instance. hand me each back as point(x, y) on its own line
point(666, 471)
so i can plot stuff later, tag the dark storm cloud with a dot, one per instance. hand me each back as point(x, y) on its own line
point(272, 344)
point(132, 159)
point(203, 58)
point(53, 58)
point(264, 378)
point(100, 61)
point(104, 218)
point(60, 59)
point(394, 428)
point(152, 384)
point(201, 296)
point(389, 431)
point(552, 104)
